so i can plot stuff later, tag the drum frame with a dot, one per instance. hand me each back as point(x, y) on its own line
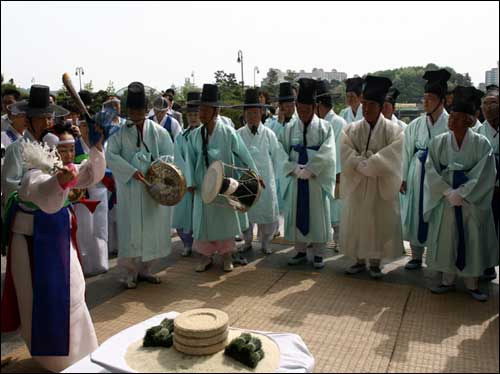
point(233, 201)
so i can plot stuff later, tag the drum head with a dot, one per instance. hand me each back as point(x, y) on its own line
point(168, 183)
point(212, 182)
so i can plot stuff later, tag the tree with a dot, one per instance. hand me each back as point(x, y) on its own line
point(270, 83)
point(291, 75)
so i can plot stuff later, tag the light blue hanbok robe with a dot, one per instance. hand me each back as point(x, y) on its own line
point(349, 116)
point(183, 211)
point(338, 124)
point(474, 159)
point(322, 163)
point(477, 125)
point(213, 222)
point(269, 156)
point(492, 135)
point(417, 136)
point(143, 224)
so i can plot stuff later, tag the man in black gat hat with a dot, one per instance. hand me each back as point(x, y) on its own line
point(40, 116)
point(286, 109)
point(214, 227)
point(353, 90)
point(269, 157)
point(324, 110)
point(370, 226)
point(309, 181)
point(461, 176)
point(143, 224)
point(183, 212)
point(417, 138)
point(390, 107)
point(489, 128)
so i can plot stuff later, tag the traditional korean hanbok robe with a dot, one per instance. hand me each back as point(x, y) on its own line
point(462, 239)
point(370, 225)
point(492, 135)
point(213, 222)
point(397, 121)
point(418, 134)
point(348, 115)
point(143, 224)
point(48, 302)
point(269, 156)
point(338, 124)
point(183, 211)
point(92, 235)
point(307, 202)
point(9, 136)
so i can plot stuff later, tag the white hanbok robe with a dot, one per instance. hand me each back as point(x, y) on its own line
point(44, 191)
point(269, 157)
point(370, 225)
point(92, 234)
point(143, 224)
point(397, 121)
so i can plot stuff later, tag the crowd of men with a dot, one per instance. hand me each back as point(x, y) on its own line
point(362, 179)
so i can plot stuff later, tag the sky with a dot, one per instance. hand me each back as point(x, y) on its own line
point(163, 43)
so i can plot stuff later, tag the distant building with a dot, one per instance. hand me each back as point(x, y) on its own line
point(491, 76)
point(315, 74)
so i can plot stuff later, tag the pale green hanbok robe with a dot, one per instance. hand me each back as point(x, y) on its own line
point(370, 225)
point(322, 163)
point(492, 135)
point(213, 222)
point(183, 211)
point(475, 158)
point(269, 156)
point(418, 134)
point(338, 124)
point(143, 224)
point(348, 115)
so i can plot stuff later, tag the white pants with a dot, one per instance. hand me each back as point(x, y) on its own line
point(133, 266)
point(449, 279)
point(265, 232)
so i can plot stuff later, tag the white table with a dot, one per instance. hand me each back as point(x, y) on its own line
point(295, 357)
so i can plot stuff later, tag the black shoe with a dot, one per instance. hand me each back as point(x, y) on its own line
point(413, 264)
point(298, 258)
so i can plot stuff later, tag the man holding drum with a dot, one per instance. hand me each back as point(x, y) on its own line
point(214, 227)
point(143, 224)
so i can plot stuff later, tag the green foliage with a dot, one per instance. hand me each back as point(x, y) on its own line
point(160, 335)
point(245, 349)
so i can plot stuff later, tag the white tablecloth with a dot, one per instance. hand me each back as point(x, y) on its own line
point(295, 357)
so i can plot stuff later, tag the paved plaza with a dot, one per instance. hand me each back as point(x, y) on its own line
point(349, 323)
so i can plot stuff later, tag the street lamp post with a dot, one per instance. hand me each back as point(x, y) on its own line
point(79, 72)
point(255, 70)
point(240, 60)
point(192, 76)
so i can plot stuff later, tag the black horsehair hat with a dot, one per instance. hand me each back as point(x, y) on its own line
point(209, 97)
point(392, 95)
point(192, 96)
point(437, 82)
point(307, 91)
point(136, 96)
point(466, 100)
point(38, 104)
point(354, 85)
point(376, 88)
point(252, 100)
point(286, 92)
